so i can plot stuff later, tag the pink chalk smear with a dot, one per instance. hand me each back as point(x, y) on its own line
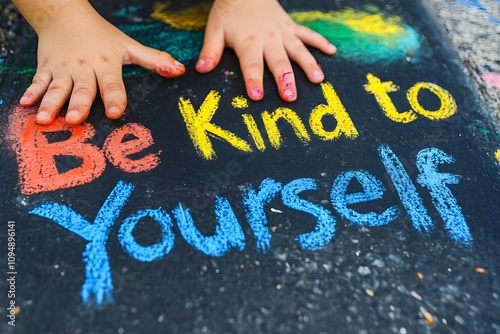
point(492, 80)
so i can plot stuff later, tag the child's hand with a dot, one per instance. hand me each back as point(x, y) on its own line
point(261, 30)
point(78, 52)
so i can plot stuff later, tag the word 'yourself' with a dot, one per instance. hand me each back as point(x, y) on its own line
point(229, 231)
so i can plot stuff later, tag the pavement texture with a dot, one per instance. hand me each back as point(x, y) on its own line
point(8, 24)
point(473, 29)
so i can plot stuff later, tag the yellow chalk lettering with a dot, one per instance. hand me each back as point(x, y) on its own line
point(253, 129)
point(239, 102)
point(380, 90)
point(497, 155)
point(448, 106)
point(199, 126)
point(335, 108)
point(270, 123)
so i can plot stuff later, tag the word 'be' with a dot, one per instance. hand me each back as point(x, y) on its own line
point(36, 153)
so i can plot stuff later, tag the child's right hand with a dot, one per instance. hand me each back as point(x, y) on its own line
point(79, 52)
point(261, 31)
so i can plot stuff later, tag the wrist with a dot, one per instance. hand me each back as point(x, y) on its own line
point(51, 14)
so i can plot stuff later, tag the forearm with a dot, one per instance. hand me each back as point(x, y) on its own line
point(42, 14)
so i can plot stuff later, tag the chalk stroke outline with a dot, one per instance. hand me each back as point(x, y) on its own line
point(475, 4)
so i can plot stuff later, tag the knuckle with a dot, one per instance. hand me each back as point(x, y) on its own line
point(84, 90)
point(253, 79)
point(282, 65)
point(163, 55)
point(253, 66)
point(57, 88)
point(113, 87)
point(247, 40)
point(39, 80)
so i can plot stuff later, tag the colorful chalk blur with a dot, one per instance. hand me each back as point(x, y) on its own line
point(366, 35)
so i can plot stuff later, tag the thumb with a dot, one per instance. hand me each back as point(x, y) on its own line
point(155, 60)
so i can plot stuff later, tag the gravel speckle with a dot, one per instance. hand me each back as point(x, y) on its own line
point(476, 37)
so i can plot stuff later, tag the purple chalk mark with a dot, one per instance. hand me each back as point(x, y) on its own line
point(283, 77)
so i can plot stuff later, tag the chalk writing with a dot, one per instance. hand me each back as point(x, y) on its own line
point(151, 252)
point(406, 190)
point(325, 228)
point(446, 204)
point(229, 231)
point(98, 283)
point(372, 190)
point(381, 89)
point(36, 154)
point(38, 171)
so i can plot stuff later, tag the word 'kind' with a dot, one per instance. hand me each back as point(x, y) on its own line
point(229, 231)
point(36, 154)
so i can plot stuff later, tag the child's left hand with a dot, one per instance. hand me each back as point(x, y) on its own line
point(261, 30)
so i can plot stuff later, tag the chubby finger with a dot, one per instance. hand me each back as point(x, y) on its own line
point(312, 38)
point(278, 62)
point(213, 47)
point(155, 60)
point(252, 68)
point(56, 96)
point(37, 89)
point(112, 92)
point(82, 97)
point(298, 52)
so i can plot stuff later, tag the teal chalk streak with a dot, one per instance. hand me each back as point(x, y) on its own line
point(180, 44)
point(367, 49)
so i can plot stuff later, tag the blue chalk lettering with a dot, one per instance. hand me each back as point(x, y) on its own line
point(97, 269)
point(254, 210)
point(407, 192)
point(446, 204)
point(372, 190)
point(325, 228)
point(151, 252)
point(228, 232)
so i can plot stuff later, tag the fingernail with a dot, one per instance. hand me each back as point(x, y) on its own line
point(23, 100)
point(256, 93)
point(331, 48)
point(114, 111)
point(72, 114)
point(317, 74)
point(201, 64)
point(42, 116)
point(288, 93)
point(178, 65)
